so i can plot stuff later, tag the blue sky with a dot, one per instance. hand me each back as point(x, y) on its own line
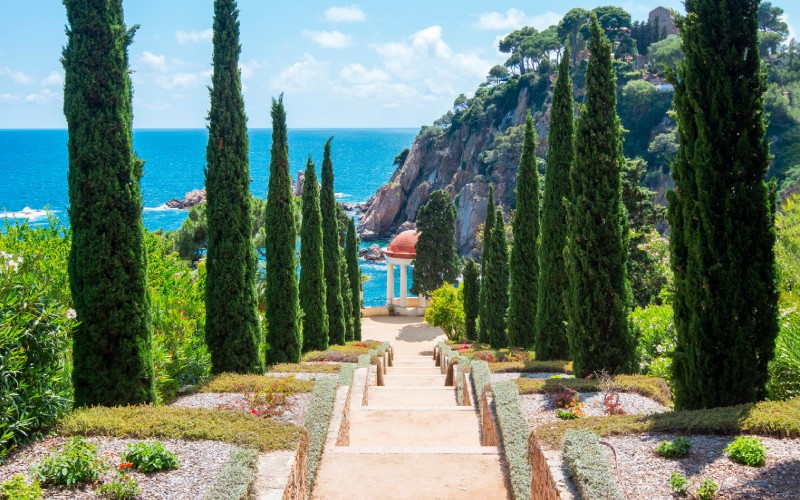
point(372, 64)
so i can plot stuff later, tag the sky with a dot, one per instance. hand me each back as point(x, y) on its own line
point(340, 65)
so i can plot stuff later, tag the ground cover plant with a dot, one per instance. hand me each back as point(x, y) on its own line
point(651, 387)
point(237, 478)
point(150, 456)
point(677, 448)
point(122, 486)
point(77, 463)
point(514, 431)
point(317, 422)
point(235, 382)
point(588, 466)
point(304, 368)
point(747, 450)
point(18, 488)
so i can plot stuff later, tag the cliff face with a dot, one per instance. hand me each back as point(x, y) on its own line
point(481, 144)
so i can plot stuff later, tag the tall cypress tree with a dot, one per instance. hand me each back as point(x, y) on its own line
point(281, 294)
point(599, 296)
point(331, 252)
point(496, 285)
point(312, 273)
point(551, 317)
point(488, 229)
point(347, 298)
point(107, 267)
point(471, 295)
point(232, 327)
point(524, 252)
point(722, 212)
point(354, 276)
point(437, 260)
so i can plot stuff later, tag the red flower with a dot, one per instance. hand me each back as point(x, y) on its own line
point(254, 411)
point(125, 465)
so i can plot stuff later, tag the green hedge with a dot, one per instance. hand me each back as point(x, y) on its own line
point(364, 361)
point(237, 479)
point(346, 374)
point(317, 422)
point(513, 431)
point(480, 377)
point(461, 367)
point(590, 470)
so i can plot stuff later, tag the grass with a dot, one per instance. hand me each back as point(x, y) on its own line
point(304, 368)
point(237, 480)
point(347, 353)
point(651, 387)
point(234, 382)
point(768, 418)
point(191, 424)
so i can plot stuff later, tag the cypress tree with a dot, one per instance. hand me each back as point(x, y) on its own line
point(551, 317)
point(496, 285)
point(722, 212)
point(332, 254)
point(598, 299)
point(354, 276)
point(488, 229)
point(437, 260)
point(107, 262)
point(281, 292)
point(312, 274)
point(471, 295)
point(232, 326)
point(347, 298)
point(524, 265)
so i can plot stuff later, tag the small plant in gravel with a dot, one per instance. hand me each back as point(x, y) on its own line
point(565, 414)
point(748, 451)
point(611, 404)
point(151, 456)
point(707, 490)
point(17, 488)
point(677, 448)
point(76, 463)
point(562, 396)
point(122, 487)
point(679, 484)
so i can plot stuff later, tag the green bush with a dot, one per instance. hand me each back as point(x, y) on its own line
point(17, 488)
point(784, 369)
point(446, 311)
point(677, 448)
point(235, 382)
point(150, 456)
point(514, 431)
point(76, 463)
point(656, 338)
point(588, 466)
point(237, 480)
point(748, 451)
point(679, 484)
point(317, 421)
point(707, 490)
point(122, 487)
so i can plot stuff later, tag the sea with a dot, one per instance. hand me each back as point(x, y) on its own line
point(33, 173)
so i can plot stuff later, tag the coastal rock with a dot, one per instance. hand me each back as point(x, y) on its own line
point(190, 199)
point(298, 187)
point(407, 226)
point(372, 254)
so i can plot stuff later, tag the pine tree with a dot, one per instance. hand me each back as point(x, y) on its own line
point(722, 212)
point(471, 295)
point(107, 266)
point(524, 265)
point(551, 317)
point(312, 273)
point(488, 229)
point(437, 260)
point(599, 296)
point(496, 285)
point(331, 252)
point(347, 298)
point(283, 334)
point(354, 276)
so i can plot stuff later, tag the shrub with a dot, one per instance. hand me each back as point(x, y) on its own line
point(651, 387)
point(150, 456)
point(17, 488)
point(562, 396)
point(588, 466)
point(532, 366)
point(446, 310)
point(677, 448)
point(317, 421)
point(784, 369)
point(566, 414)
point(76, 463)
point(679, 484)
point(237, 478)
point(235, 382)
point(748, 451)
point(656, 337)
point(122, 487)
point(514, 431)
point(707, 490)
point(304, 368)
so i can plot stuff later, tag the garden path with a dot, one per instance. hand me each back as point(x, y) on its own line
point(411, 440)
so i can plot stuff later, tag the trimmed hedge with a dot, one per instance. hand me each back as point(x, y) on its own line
point(235, 382)
point(514, 431)
point(318, 420)
point(364, 360)
point(346, 374)
point(651, 387)
point(304, 368)
point(590, 470)
point(481, 376)
point(237, 479)
point(461, 367)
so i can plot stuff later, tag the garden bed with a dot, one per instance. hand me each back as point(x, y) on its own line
point(540, 411)
point(292, 411)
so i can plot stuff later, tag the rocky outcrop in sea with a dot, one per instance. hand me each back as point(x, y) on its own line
point(190, 199)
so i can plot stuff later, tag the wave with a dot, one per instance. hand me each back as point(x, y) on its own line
point(161, 208)
point(26, 213)
point(342, 195)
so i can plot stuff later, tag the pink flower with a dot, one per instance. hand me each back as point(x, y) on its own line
point(254, 411)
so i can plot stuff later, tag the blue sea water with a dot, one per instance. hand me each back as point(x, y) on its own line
point(33, 172)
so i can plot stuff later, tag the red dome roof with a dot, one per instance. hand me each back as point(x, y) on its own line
point(402, 246)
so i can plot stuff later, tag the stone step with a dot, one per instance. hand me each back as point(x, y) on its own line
point(414, 370)
point(414, 380)
point(416, 450)
point(395, 396)
point(435, 427)
point(417, 408)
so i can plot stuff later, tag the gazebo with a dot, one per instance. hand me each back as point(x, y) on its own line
point(401, 252)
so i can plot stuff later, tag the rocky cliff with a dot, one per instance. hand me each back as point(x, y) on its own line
point(478, 143)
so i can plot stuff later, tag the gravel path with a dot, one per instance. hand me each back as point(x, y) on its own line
point(200, 463)
point(646, 474)
point(497, 377)
point(294, 410)
point(539, 411)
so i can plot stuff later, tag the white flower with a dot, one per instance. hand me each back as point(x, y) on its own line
point(71, 314)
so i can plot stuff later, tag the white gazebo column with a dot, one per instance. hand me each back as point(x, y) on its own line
point(389, 283)
point(403, 285)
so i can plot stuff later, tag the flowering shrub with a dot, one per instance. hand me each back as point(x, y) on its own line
point(562, 396)
point(485, 356)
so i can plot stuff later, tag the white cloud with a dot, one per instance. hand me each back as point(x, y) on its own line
point(302, 75)
point(17, 76)
point(249, 69)
point(351, 14)
point(157, 62)
point(329, 39)
point(43, 97)
point(182, 80)
point(54, 79)
point(194, 36)
point(792, 32)
point(514, 19)
point(359, 81)
point(6, 97)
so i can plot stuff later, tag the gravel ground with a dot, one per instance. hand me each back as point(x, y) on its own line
point(497, 377)
point(539, 411)
point(200, 463)
point(294, 410)
point(646, 475)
